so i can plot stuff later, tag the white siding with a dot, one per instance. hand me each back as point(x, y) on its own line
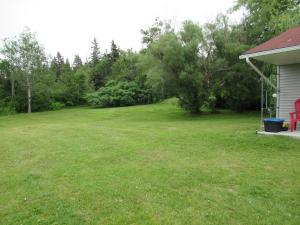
point(289, 83)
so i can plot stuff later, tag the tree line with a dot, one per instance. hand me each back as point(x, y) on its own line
point(198, 64)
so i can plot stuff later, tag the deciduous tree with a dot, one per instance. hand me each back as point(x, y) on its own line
point(28, 56)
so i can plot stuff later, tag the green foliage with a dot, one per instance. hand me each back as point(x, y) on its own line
point(114, 52)
point(5, 75)
point(95, 55)
point(57, 65)
point(101, 72)
point(197, 64)
point(178, 55)
point(41, 97)
point(125, 67)
point(267, 18)
point(56, 105)
point(192, 90)
point(229, 79)
point(119, 93)
point(7, 107)
point(77, 64)
point(211, 102)
point(73, 87)
point(153, 33)
point(26, 56)
point(152, 74)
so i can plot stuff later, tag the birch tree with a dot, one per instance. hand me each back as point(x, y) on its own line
point(27, 56)
point(32, 57)
point(10, 53)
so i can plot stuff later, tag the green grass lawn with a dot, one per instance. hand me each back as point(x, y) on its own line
point(151, 164)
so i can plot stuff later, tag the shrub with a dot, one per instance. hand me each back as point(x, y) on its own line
point(7, 107)
point(119, 93)
point(211, 102)
point(56, 105)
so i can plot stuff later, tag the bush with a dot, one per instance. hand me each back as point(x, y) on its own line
point(56, 105)
point(72, 88)
point(211, 102)
point(7, 108)
point(119, 93)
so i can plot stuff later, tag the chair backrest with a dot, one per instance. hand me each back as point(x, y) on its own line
point(297, 108)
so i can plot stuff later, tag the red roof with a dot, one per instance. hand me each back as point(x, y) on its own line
point(287, 39)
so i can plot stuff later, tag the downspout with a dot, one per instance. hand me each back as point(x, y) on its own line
point(264, 78)
point(261, 74)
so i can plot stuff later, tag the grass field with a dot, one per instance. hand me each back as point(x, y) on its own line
point(149, 164)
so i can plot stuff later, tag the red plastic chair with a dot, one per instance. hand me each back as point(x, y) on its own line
point(295, 116)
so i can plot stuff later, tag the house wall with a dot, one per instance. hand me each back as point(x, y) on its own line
point(289, 84)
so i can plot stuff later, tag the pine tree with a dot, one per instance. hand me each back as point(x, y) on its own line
point(67, 63)
point(95, 55)
point(77, 62)
point(67, 67)
point(114, 52)
point(57, 65)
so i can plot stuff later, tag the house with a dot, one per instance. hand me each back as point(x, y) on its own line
point(284, 52)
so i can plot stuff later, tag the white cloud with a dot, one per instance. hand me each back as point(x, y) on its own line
point(69, 26)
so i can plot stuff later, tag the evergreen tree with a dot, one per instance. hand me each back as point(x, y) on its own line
point(114, 52)
point(95, 55)
point(77, 63)
point(57, 65)
point(68, 63)
point(67, 67)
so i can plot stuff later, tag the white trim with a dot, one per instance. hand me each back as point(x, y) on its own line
point(270, 52)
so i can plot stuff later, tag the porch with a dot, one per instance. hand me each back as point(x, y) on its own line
point(295, 134)
point(282, 51)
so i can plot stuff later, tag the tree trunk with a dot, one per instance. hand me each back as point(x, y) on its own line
point(29, 94)
point(13, 91)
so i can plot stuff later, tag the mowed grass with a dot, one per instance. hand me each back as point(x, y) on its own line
point(151, 164)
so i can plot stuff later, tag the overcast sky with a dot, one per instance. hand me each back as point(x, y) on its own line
point(69, 26)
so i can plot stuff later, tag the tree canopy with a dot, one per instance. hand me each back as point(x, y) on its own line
point(197, 63)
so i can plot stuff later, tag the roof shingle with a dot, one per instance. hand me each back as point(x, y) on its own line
point(287, 39)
